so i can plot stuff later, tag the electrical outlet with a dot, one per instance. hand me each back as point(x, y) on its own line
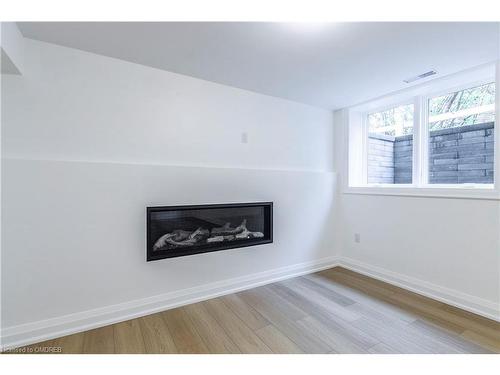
point(357, 237)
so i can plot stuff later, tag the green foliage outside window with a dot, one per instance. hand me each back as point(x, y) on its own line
point(395, 121)
point(462, 100)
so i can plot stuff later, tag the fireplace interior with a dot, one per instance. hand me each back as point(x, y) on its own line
point(174, 231)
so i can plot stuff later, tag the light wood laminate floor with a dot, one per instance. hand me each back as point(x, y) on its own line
point(333, 311)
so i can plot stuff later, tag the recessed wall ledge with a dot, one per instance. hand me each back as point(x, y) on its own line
point(171, 165)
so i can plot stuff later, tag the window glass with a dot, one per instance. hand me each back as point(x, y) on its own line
point(390, 145)
point(461, 136)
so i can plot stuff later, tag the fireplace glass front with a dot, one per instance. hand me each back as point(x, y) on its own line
point(185, 230)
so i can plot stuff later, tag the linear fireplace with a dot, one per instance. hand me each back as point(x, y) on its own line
point(174, 231)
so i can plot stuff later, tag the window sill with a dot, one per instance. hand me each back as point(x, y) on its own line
point(459, 192)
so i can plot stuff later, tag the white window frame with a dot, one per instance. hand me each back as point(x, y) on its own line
point(419, 96)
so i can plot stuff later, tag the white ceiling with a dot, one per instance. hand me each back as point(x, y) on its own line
point(327, 65)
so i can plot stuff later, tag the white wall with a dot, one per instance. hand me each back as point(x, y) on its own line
point(447, 248)
point(90, 141)
point(78, 106)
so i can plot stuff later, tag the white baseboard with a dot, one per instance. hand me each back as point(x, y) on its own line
point(449, 296)
point(30, 333)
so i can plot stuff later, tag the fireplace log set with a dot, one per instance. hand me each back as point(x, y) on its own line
point(183, 238)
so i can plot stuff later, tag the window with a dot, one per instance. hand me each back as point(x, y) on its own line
point(440, 134)
point(390, 145)
point(461, 132)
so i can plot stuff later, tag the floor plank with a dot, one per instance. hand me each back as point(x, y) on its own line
point(487, 342)
point(99, 341)
point(305, 340)
point(328, 293)
point(128, 338)
point(72, 344)
point(214, 336)
point(336, 340)
point(246, 339)
point(447, 319)
point(286, 308)
point(186, 338)
point(382, 348)
point(157, 337)
point(389, 337)
point(411, 310)
point(277, 341)
point(248, 314)
point(318, 299)
point(364, 299)
point(327, 318)
point(449, 337)
point(370, 288)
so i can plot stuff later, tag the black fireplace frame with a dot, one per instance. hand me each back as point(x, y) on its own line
point(157, 255)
